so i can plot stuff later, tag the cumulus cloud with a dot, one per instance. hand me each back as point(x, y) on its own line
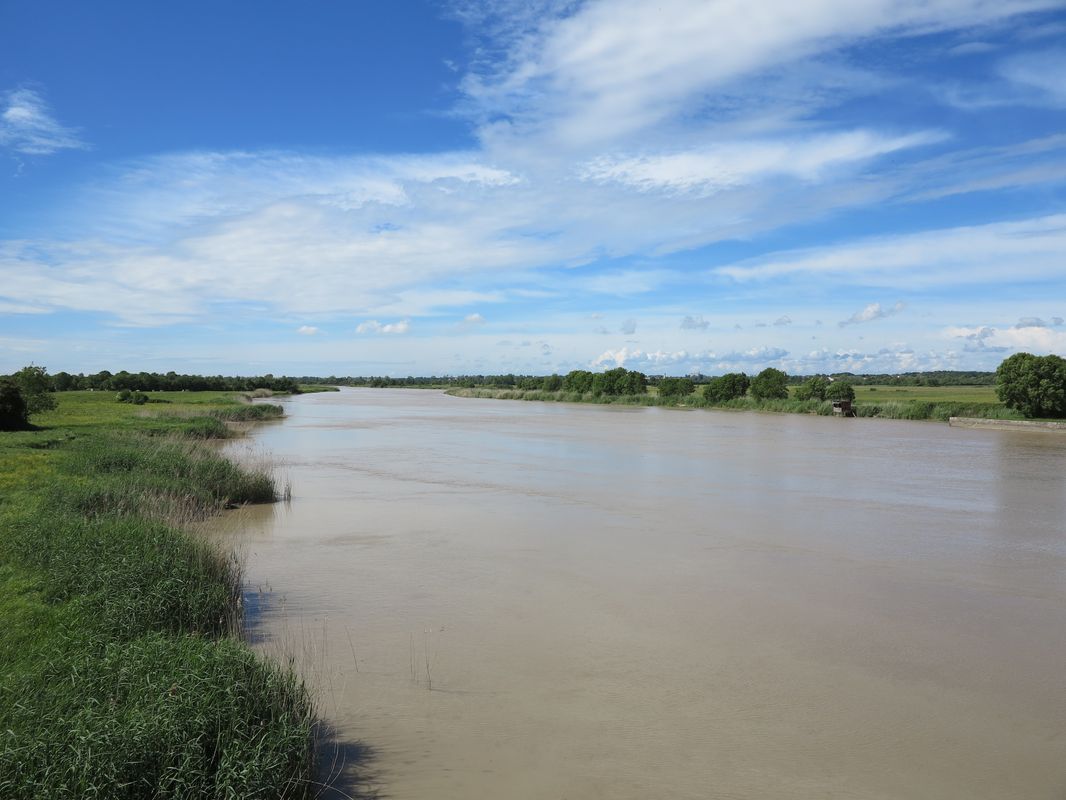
point(307, 330)
point(28, 126)
point(629, 327)
point(783, 320)
point(373, 326)
point(1040, 339)
point(870, 313)
point(474, 319)
point(698, 323)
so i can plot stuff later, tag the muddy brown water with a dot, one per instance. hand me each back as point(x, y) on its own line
point(509, 599)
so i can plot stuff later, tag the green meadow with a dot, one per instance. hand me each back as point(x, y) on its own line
point(122, 670)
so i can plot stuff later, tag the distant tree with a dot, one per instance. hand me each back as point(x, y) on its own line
point(63, 381)
point(726, 387)
point(579, 380)
point(13, 413)
point(36, 388)
point(840, 390)
point(676, 387)
point(552, 383)
point(1033, 385)
point(812, 388)
point(770, 384)
point(635, 383)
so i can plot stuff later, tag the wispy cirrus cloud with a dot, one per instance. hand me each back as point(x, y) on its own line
point(29, 127)
point(961, 256)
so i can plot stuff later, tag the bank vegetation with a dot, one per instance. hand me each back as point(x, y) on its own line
point(123, 673)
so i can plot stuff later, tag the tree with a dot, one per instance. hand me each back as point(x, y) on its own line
point(552, 383)
point(676, 387)
point(813, 388)
point(579, 380)
point(840, 390)
point(726, 387)
point(36, 388)
point(770, 384)
point(13, 413)
point(1033, 385)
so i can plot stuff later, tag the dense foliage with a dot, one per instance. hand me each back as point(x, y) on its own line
point(770, 384)
point(14, 415)
point(839, 390)
point(676, 387)
point(36, 389)
point(726, 387)
point(1033, 385)
point(169, 382)
point(812, 389)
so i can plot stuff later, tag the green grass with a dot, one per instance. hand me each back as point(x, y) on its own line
point(121, 670)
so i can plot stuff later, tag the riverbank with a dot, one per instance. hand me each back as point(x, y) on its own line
point(122, 670)
point(1008, 424)
point(940, 411)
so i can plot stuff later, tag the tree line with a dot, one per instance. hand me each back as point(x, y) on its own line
point(1033, 385)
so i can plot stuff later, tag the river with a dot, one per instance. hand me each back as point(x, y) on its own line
point(504, 599)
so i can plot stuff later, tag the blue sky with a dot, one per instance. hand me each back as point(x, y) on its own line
point(469, 187)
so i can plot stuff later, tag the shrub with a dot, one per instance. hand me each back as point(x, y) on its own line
point(839, 390)
point(676, 387)
point(770, 384)
point(726, 387)
point(13, 413)
point(812, 389)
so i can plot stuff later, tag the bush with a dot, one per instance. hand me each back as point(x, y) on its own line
point(1033, 385)
point(676, 387)
point(770, 384)
point(726, 387)
point(36, 388)
point(134, 398)
point(13, 413)
point(812, 389)
point(839, 390)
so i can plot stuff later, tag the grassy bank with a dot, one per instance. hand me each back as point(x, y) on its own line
point(920, 403)
point(122, 674)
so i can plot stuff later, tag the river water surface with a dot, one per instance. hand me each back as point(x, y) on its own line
point(510, 599)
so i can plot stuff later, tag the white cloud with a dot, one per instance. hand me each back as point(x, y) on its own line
point(1041, 72)
point(307, 330)
point(690, 323)
point(604, 72)
point(373, 326)
point(871, 312)
point(728, 165)
point(474, 319)
point(28, 126)
point(782, 321)
point(1025, 250)
point(629, 327)
point(1039, 339)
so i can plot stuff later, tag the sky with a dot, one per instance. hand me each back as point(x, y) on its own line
point(416, 188)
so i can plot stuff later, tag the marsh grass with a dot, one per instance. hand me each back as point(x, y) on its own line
point(121, 670)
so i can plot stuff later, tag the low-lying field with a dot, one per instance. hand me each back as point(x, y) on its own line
point(122, 673)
